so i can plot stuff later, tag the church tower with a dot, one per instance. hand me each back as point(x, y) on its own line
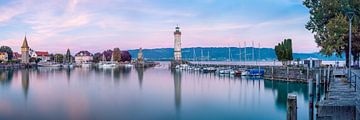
point(177, 44)
point(25, 52)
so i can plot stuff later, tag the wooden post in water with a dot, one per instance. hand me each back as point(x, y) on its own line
point(272, 72)
point(287, 73)
point(324, 75)
point(317, 88)
point(327, 79)
point(291, 107)
point(307, 73)
point(311, 101)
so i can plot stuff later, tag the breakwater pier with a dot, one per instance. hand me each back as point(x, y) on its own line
point(341, 98)
point(279, 73)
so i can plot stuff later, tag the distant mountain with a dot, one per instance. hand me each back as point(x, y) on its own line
point(222, 54)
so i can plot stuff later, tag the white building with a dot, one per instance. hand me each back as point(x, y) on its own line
point(42, 55)
point(4, 56)
point(83, 57)
point(177, 44)
point(312, 62)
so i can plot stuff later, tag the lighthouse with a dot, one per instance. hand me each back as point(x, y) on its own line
point(177, 44)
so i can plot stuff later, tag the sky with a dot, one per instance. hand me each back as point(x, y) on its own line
point(97, 25)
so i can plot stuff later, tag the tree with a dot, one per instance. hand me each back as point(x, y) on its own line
point(116, 55)
point(329, 23)
point(8, 50)
point(283, 51)
point(97, 57)
point(59, 58)
point(68, 56)
point(108, 54)
point(125, 56)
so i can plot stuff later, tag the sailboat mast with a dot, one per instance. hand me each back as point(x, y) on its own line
point(202, 55)
point(229, 54)
point(194, 59)
point(245, 53)
point(240, 53)
point(208, 55)
point(259, 54)
point(253, 56)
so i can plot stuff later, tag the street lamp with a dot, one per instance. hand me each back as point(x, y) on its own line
point(350, 16)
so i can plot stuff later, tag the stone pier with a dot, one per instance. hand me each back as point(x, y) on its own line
point(341, 101)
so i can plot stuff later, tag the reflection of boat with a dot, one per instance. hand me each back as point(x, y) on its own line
point(128, 65)
point(108, 65)
point(68, 65)
point(86, 65)
point(48, 64)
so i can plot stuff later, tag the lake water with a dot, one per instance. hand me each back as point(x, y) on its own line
point(143, 94)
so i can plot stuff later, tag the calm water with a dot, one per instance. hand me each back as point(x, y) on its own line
point(147, 94)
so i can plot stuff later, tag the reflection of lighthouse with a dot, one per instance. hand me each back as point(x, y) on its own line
point(177, 86)
point(177, 44)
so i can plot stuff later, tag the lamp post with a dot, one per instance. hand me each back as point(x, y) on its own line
point(350, 16)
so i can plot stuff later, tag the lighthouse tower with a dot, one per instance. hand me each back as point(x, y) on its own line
point(177, 44)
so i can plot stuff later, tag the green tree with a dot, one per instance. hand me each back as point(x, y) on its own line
point(116, 55)
point(329, 24)
point(59, 58)
point(8, 50)
point(283, 51)
point(68, 56)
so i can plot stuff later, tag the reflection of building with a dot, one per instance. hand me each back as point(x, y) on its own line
point(83, 56)
point(177, 44)
point(140, 72)
point(25, 52)
point(3, 56)
point(177, 86)
point(44, 56)
point(25, 81)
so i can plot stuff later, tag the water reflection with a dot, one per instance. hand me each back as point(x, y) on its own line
point(177, 86)
point(25, 82)
point(282, 89)
point(6, 77)
point(149, 93)
point(140, 74)
point(68, 74)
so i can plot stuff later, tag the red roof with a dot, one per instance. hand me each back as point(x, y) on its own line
point(40, 53)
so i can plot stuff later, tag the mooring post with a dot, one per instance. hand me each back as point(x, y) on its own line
point(291, 107)
point(317, 87)
point(287, 73)
point(327, 79)
point(272, 72)
point(311, 101)
point(307, 73)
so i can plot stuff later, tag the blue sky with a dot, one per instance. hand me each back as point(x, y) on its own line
point(55, 25)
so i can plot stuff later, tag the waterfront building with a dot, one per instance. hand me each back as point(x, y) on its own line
point(42, 55)
point(177, 44)
point(312, 62)
point(83, 57)
point(16, 56)
point(25, 52)
point(4, 56)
